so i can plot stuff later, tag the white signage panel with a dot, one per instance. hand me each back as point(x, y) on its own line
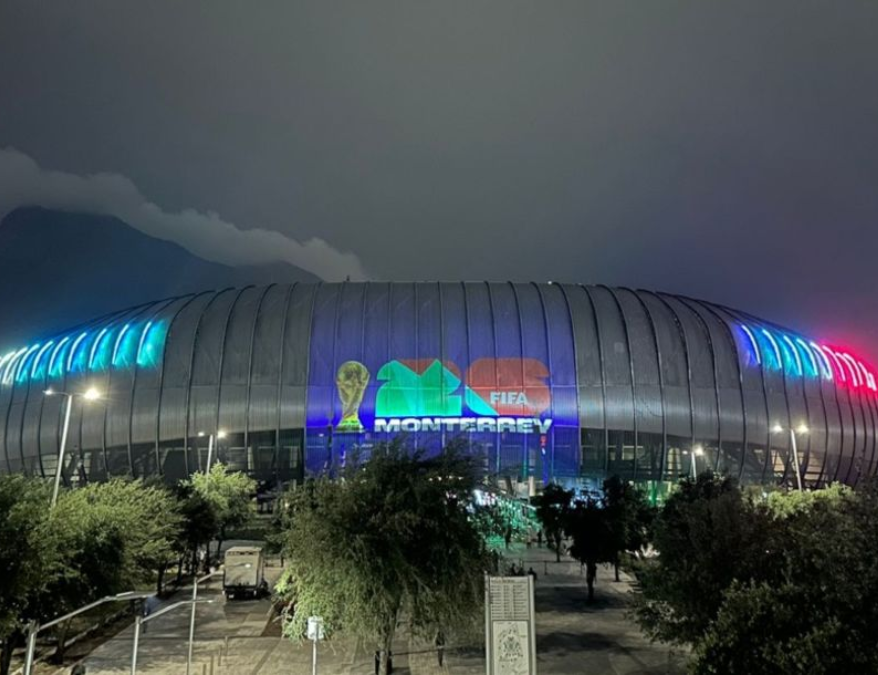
point(510, 630)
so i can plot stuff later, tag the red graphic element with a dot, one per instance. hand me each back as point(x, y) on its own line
point(420, 365)
point(513, 387)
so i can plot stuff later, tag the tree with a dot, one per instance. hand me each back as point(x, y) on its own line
point(112, 537)
point(629, 517)
point(589, 526)
point(707, 536)
point(99, 540)
point(23, 555)
point(199, 525)
point(231, 496)
point(553, 508)
point(390, 541)
point(819, 615)
point(784, 583)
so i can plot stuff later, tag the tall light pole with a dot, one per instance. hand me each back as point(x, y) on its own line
point(220, 434)
point(210, 443)
point(801, 429)
point(194, 601)
point(91, 394)
point(697, 451)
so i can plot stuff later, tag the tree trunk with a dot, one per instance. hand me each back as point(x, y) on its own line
point(219, 548)
point(63, 634)
point(558, 548)
point(160, 580)
point(591, 572)
point(616, 565)
point(385, 663)
point(8, 646)
point(180, 569)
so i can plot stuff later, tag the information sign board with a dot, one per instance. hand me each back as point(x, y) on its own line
point(510, 630)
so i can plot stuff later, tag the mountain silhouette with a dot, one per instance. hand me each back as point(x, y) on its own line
point(58, 269)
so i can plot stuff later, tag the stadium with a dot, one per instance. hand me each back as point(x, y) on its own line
point(543, 382)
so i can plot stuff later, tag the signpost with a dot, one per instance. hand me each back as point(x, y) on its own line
point(510, 629)
point(315, 634)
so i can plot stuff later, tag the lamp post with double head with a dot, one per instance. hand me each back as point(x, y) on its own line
point(697, 451)
point(90, 394)
point(211, 441)
point(801, 429)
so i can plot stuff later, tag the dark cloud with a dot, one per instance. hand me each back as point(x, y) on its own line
point(726, 150)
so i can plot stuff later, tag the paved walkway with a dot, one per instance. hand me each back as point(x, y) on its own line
point(235, 638)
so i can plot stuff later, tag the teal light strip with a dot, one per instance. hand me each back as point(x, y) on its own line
point(94, 347)
point(37, 361)
point(72, 356)
point(52, 371)
point(118, 342)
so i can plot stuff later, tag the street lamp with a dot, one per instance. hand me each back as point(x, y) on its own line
point(194, 601)
point(697, 451)
point(210, 443)
point(801, 429)
point(90, 394)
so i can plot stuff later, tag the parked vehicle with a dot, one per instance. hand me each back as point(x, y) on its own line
point(244, 573)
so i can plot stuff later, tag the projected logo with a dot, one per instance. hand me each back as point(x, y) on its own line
point(414, 395)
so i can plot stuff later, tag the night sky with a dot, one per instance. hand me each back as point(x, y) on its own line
point(727, 151)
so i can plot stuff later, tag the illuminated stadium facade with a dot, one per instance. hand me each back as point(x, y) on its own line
point(544, 381)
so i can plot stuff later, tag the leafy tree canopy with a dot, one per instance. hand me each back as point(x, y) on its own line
point(787, 583)
point(230, 496)
point(392, 540)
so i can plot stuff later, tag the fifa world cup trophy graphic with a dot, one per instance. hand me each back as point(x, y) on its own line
point(351, 380)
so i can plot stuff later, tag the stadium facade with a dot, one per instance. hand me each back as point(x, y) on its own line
point(544, 381)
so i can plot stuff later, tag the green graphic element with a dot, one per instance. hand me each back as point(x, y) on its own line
point(477, 404)
point(351, 381)
point(406, 393)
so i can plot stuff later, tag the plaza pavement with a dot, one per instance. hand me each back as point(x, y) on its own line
point(236, 638)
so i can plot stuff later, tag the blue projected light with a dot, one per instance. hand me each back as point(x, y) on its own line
point(21, 373)
point(116, 347)
point(753, 343)
point(10, 366)
point(3, 361)
point(813, 370)
point(791, 363)
point(38, 370)
point(152, 344)
point(99, 344)
point(771, 354)
point(56, 362)
point(796, 357)
point(125, 353)
point(77, 359)
point(119, 342)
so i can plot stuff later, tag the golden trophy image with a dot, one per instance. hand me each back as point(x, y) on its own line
point(351, 381)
